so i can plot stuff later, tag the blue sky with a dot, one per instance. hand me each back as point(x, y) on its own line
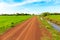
point(29, 6)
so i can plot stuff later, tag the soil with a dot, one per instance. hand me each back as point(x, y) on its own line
point(28, 30)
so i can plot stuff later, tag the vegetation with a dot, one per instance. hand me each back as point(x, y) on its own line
point(54, 18)
point(45, 14)
point(55, 33)
point(7, 22)
point(17, 14)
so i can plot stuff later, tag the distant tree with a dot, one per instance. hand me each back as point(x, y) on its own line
point(55, 13)
point(45, 14)
point(27, 14)
point(4, 14)
point(33, 14)
point(17, 14)
point(22, 13)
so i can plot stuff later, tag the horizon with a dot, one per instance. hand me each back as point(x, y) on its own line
point(29, 6)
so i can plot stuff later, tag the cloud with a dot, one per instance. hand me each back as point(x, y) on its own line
point(25, 2)
point(6, 3)
point(6, 7)
point(10, 5)
point(29, 1)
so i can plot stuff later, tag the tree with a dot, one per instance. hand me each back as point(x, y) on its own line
point(45, 14)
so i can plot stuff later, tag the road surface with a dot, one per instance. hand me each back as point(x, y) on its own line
point(28, 30)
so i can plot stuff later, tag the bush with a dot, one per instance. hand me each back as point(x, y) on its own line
point(45, 14)
point(12, 24)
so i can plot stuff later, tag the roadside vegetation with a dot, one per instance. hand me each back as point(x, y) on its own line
point(8, 21)
point(54, 18)
point(50, 16)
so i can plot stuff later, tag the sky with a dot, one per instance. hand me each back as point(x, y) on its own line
point(29, 6)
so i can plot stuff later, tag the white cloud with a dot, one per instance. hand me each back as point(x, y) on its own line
point(4, 4)
point(29, 1)
point(4, 7)
point(7, 7)
point(25, 2)
point(21, 3)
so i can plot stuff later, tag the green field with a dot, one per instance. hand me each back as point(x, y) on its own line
point(7, 22)
point(55, 33)
point(54, 17)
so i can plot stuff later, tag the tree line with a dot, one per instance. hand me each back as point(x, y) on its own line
point(47, 13)
point(17, 14)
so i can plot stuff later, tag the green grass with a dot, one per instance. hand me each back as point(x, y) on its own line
point(55, 33)
point(7, 22)
point(54, 17)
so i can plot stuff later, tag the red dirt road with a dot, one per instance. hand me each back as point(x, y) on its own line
point(28, 30)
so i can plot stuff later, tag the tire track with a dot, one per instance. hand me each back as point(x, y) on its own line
point(33, 32)
point(12, 31)
point(28, 30)
point(20, 32)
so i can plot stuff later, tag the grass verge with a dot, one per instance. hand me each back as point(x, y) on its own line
point(55, 33)
point(7, 22)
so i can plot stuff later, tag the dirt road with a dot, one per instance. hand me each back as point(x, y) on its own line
point(28, 30)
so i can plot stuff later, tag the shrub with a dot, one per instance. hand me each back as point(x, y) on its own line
point(12, 24)
point(45, 14)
